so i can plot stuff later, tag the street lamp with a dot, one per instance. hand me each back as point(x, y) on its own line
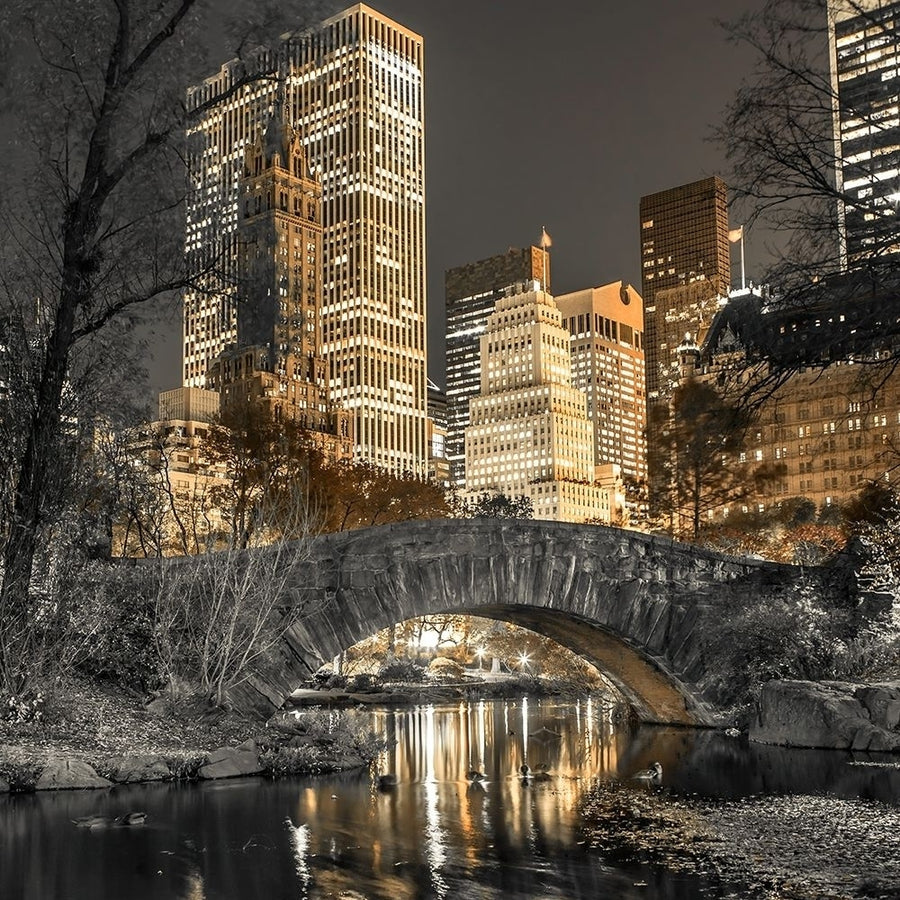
point(479, 652)
point(523, 660)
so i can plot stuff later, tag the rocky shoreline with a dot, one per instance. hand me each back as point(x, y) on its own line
point(833, 715)
point(98, 738)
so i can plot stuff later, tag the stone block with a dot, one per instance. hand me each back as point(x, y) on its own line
point(231, 762)
point(67, 774)
point(131, 769)
point(807, 714)
point(883, 704)
point(864, 737)
point(885, 742)
point(827, 715)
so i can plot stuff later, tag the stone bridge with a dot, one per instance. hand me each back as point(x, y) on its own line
point(636, 606)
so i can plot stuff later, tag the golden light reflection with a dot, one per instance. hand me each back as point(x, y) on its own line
point(194, 887)
point(298, 835)
point(435, 818)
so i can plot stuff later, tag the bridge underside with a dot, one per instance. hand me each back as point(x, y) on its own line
point(655, 695)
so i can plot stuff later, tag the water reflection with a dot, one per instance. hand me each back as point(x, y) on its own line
point(434, 834)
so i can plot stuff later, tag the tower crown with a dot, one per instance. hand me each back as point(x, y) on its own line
point(277, 146)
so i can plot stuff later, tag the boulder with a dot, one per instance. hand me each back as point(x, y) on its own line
point(65, 774)
point(232, 762)
point(130, 769)
point(883, 703)
point(830, 715)
point(4, 787)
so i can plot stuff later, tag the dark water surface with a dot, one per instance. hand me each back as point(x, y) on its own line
point(434, 835)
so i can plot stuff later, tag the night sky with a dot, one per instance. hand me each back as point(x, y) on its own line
point(558, 114)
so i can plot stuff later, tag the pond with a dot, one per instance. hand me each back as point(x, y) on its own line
point(433, 834)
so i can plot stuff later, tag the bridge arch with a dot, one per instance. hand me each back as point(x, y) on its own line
point(634, 605)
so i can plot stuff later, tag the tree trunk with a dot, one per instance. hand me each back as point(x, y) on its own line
point(31, 491)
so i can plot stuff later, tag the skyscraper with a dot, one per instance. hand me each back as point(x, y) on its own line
point(529, 433)
point(277, 360)
point(864, 44)
point(353, 88)
point(471, 292)
point(684, 240)
point(607, 344)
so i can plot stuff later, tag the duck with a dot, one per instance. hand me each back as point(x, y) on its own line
point(387, 781)
point(132, 818)
point(93, 821)
point(541, 775)
point(654, 773)
point(476, 777)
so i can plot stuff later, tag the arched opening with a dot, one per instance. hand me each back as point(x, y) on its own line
point(468, 649)
point(515, 644)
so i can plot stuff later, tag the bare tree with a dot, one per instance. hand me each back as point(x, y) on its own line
point(700, 453)
point(92, 216)
point(218, 613)
point(792, 179)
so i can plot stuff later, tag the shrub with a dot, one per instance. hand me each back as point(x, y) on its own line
point(766, 640)
point(112, 628)
point(362, 683)
point(444, 668)
point(22, 709)
point(797, 638)
point(20, 776)
point(872, 655)
point(185, 767)
point(402, 671)
point(307, 759)
point(326, 734)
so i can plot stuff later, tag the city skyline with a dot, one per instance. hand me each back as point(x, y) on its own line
point(509, 149)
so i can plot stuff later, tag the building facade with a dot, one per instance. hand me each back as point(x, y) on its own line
point(529, 433)
point(471, 293)
point(277, 358)
point(685, 269)
point(864, 44)
point(178, 515)
point(353, 88)
point(684, 242)
point(607, 346)
point(831, 425)
point(438, 464)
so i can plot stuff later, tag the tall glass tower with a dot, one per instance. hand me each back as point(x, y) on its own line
point(865, 74)
point(684, 241)
point(353, 87)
